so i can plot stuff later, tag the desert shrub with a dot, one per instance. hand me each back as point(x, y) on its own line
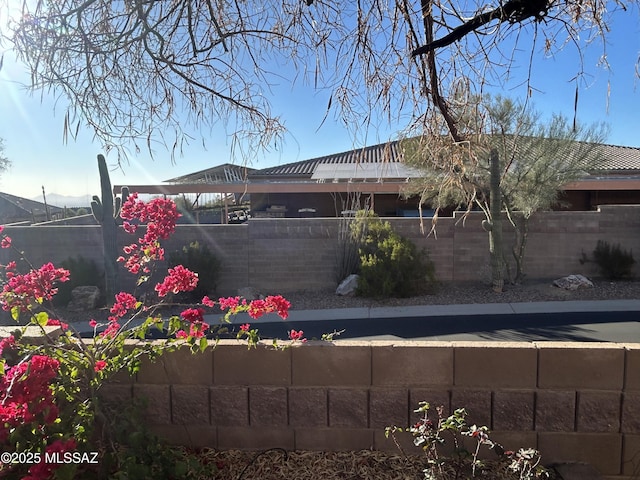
point(476, 456)
point(390, 265)
point(198, 258)
point(82, 271)
point(614, 262)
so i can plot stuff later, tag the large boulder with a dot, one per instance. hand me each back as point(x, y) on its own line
point(83, 298)
point(573, 282)
point(250, 293)
point(348, 285)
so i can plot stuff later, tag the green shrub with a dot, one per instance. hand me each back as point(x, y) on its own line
point(81, 272)
point(614, 262)
point(198, 258)
point(390, 265)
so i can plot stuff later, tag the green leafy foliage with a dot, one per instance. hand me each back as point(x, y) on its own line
point(82, 271)
point(390, 265)
point(198, 258)
point(614, 262)
point(143, 455)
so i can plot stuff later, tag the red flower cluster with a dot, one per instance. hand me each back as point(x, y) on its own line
point(206, 301)
point(26, 394)
point(44, 470)
point(180, 279)
point(193, 315)
point(230, 303)
point(21, 290)
point(256, 308)
point(160, 216)
point(7, 343)
point(197, 326)
point(99, 365)
point(299, 335)
point(270, 304)
point(54, 322)
point(124, 302)
point(6, 240)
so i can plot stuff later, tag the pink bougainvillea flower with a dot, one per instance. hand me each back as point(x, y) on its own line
point(124, 302)
point(7, 343)
point(299, 335)
point(6, 242)
point(55, 322)
point(207, 302)
point(245, 327)
point(193, 315)
point(181, 334)
point(112, 329)
point(37, 285)
point(100, 365)
point(229, 303)
point(257, 308)
point(180, 279)
point(278, 304)
point(43, 469)
point(160, 216)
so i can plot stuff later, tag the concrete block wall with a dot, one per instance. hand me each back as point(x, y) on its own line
point(294, 254)
point(575, 402)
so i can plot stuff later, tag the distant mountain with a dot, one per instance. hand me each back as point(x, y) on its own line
point(65, 200)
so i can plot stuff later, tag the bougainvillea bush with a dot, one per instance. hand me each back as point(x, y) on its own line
point(51, 420)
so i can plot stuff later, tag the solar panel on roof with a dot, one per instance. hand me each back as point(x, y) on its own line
point(364, 171)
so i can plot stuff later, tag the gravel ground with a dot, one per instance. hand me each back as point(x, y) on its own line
point(472, 292)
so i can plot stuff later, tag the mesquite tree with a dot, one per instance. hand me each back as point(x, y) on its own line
point(512, 163)
point(145, 71)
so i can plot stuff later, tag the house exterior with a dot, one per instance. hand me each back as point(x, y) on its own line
point(14, 209)
point(337, 184)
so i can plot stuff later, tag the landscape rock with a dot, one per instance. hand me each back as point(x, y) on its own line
point(83, 298)
point(348, 285)
point(573, 282)
point(250, 293)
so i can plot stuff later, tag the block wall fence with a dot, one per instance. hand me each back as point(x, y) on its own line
point(284, 255)
point(575, 402)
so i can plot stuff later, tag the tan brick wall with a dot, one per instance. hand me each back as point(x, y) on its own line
point(573, 401)
point(277, 255)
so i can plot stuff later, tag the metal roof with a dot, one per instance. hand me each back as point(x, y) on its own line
point(619, 159)
point(225, 173)
point(382, 153)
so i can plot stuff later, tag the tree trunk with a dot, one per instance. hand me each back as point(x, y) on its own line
point(495, 232)
point(519, 248)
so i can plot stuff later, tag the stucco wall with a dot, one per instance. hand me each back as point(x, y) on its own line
point(284, 255)
point(573, 401)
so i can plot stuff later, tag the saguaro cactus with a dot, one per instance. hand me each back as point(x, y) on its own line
point(106, 210)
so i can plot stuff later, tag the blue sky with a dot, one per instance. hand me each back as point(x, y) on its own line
point(32, 125)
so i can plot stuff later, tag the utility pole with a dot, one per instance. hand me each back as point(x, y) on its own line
point(46, 207)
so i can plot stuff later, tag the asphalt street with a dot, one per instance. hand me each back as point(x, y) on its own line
point(576, 321)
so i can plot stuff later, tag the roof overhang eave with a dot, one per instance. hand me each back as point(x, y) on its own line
point(269, 187)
